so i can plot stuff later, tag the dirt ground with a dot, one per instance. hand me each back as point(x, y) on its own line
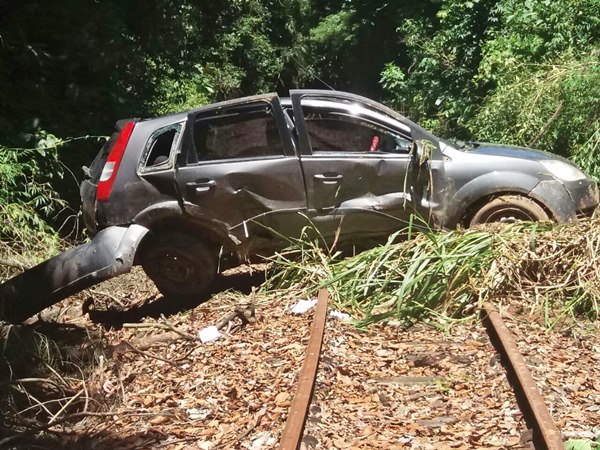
point(149, 381)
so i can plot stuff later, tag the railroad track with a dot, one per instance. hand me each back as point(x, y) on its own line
point(544, 433)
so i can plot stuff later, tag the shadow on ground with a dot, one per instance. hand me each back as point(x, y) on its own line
point(101, 440)
point(240, 281)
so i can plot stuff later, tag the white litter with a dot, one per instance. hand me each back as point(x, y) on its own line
point(264, 440)
point(303, 306)
point(198, 413)
point(340, 316)
point(209, 334)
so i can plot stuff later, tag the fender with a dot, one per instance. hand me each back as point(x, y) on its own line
point(486, 185)
point(171, 213)
point(110, 253)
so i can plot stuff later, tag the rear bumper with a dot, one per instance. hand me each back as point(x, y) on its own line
point(109, 254)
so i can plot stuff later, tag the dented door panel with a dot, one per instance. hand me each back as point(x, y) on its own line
point(246, 196)
point(361, 179)
point(239, 168)
point(369, 192)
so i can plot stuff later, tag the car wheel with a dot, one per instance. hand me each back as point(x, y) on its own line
point(509, 209)
point(179, 265)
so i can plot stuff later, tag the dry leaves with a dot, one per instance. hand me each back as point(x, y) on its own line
point(386, 388)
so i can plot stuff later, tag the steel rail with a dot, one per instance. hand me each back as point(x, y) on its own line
point(292, 433)
point(545, 432)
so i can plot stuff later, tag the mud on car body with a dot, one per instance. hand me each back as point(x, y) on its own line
point(186, 193)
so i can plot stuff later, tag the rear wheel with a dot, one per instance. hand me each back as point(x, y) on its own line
point(509, 209)
point(180, 265)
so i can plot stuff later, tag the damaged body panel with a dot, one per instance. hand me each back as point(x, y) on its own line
point(188, 194)
point(110, 253)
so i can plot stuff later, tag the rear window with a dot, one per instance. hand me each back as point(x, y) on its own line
point(159, 152)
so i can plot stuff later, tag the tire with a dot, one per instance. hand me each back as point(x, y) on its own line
point(181, 266)
point(509, 209)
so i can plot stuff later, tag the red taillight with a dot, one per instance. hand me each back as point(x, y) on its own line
point(109, 172)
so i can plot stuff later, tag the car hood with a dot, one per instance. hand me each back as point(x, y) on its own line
point(483, 148)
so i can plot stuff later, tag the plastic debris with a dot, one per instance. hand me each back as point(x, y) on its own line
point(209, 334)
point(334, 314)
point(303, 306)
point(198, 413)
point(263, 440)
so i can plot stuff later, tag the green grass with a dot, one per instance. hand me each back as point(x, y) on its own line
point(541, 268)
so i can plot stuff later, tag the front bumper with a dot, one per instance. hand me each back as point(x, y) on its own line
point(109, 254)
point(568, 200)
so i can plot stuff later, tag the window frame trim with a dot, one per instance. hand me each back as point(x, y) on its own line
point(271, 100)
point(367, 117)
point(143, 167)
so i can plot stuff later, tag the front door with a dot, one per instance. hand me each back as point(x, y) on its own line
point(357, 165)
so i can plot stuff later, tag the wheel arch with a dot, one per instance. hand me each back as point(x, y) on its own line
point(169, 216)
point(476, 205)
point(484, 188)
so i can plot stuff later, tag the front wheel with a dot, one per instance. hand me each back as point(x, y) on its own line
point(180, 265)
point(509, 209)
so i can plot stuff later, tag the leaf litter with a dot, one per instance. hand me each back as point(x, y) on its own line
point(389, 386)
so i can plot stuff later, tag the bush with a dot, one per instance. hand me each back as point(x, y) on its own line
point(27, 199)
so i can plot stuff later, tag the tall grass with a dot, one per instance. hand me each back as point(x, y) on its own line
point(446, 275)
point(429, 272)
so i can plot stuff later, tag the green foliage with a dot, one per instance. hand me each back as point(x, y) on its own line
point(429, 274)
point(174, 94)
point(553, 107)
point(438, 85)
point(544, 62)
point(335, 30)
point(331, 41)
point(582, 444)
point(27, 198)
point(522, 72)
point(538, 31)
point(444, 276)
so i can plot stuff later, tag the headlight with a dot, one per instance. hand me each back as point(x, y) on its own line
point(563, 171)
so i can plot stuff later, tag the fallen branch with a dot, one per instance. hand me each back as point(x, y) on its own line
point(162, 326)
point(548, 124)
point(125, 346)
point(146, 343)
point(246, 314)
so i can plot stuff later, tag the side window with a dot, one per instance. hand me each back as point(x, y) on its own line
point(248, 131)
point(339, 131)
point(159, 148)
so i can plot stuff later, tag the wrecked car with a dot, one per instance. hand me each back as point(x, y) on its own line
point(187, 194)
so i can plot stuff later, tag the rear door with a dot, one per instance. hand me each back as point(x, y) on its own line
point(356, 163)
point(240, 171)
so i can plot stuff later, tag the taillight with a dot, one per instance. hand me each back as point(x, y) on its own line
point(111, 166)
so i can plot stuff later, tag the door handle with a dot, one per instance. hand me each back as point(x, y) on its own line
point(199, 187)
point(329, 178)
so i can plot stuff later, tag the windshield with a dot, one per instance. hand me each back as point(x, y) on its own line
point(458, 144)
